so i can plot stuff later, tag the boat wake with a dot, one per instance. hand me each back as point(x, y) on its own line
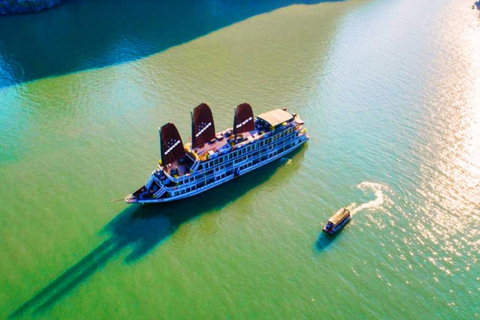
point(376, 188)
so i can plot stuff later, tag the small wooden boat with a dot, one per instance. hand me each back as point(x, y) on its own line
point(337, 221)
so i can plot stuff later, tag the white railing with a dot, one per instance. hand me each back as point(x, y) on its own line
point(149, 182)
point(159, 192)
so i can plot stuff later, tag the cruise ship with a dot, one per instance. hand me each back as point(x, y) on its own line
point(213, 158)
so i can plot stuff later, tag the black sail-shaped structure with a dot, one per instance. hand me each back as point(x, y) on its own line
point(171, 146)
point(243, 121)
point(203, 126)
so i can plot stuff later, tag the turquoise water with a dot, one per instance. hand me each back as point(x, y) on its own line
point(95, 34)
point(390, 94)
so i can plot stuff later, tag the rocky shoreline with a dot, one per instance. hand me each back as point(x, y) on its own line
point(26, 6)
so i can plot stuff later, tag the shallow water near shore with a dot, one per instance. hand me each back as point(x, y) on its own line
point(389, 93)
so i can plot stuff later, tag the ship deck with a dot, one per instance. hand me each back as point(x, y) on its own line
point(218, 144)
point(211, 146)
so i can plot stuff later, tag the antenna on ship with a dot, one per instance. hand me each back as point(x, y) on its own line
point(192, 139)
point(234, 121)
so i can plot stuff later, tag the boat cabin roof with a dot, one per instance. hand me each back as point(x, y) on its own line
point(276, 117)
point(339, 216)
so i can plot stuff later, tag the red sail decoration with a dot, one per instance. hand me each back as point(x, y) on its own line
point(171, 146)
point(243, 121)
point(203, 127)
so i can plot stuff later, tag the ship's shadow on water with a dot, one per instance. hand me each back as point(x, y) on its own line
point(140, 229)
point(96, 34)
point(325, 240)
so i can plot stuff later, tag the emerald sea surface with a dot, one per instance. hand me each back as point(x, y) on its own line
point(389, 91)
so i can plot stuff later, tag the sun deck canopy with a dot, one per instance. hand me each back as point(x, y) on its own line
point(276, 117)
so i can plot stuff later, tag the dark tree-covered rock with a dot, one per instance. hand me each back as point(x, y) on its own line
point(25, 6)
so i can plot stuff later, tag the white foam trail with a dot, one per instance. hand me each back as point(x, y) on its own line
point(377, 202)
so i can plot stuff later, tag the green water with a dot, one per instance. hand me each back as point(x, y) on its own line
point(390, 94)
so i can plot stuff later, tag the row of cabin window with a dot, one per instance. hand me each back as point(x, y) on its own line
point(248, 148)
point(285, 145)
point(262, 142)
point(179, 183)
point(219, 168)
point(279, 135)
point(246, 166)
point(221, 176)
point(229, 156)
point(174, 193)
point(270, 148)
point(276, 145)
point(240, 160)
point(181, 191)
